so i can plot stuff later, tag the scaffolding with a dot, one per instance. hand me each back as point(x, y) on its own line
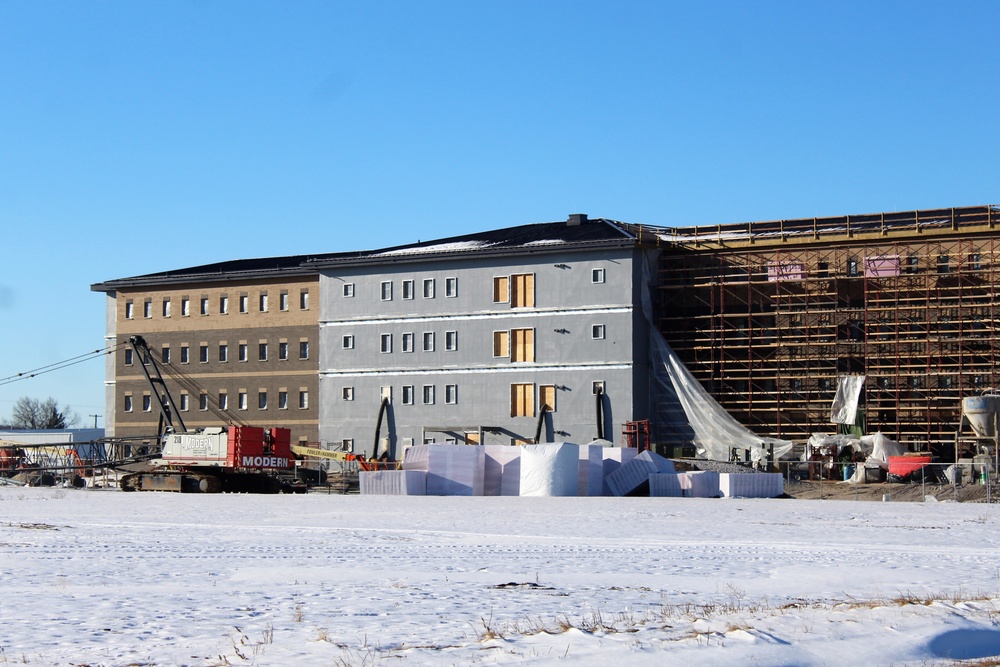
point(767, 315)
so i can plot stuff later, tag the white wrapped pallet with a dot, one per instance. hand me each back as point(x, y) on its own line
point(550, 470)
point(632, 478)
point(591, 480)
point(700, 484)
point(502, 470)
point(415, 457)
point(752, 485)
point(393, 482)
point(665, 485)
point(614, 458)
point(452, 470)
point(662, 464)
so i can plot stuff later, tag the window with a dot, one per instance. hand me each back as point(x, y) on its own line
point(451, 394)
point(501, 344)
point(386, 343)
point(165, 355)
point(547, 397)
point(597, 332)
point(282, 400)
point(184, 354)
point(942, 264)
point(128, 404)
point(428, 288)
point(408, 341)
point(262, 351)
point(347, 445)
point(428, 394)
point(166, 307)
point(185, 307)
point(262, 400)
point(501, 289)
point(598, 387)
point(242, 351)
point(241, 399)
point(223, 353)
point(912, 264)
point(451, 287)
point(203, 354)
point(975, 262)
point(128, 310)
point(147, 309)
point(282, 351)
point(522, 290)
point(147, 403)
point(283, 301)
point(203, 402)
point(303, 349)
point(408, 289)
point(244, 303)
point(262, 302)
point(223, 304)
point(451, 340)
point(348, 290)
point(522, 400)
point(428, 341)
point(407, 394)
point(303, 399)
point(304, 300)
point(128, 356)
point(348, 342)
point(348, 393)
point(597, 276)
point(522, 348)
point(184, 402)
point(204, 305)
point(223, 401)
point(386, 292)
point(852, 267)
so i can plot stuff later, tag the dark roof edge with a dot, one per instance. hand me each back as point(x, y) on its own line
point(217, 276)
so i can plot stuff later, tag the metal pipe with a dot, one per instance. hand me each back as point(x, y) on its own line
point(599, 395)
point(538, 427)
point(378, 426)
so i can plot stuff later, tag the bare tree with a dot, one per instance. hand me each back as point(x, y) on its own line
point(32, 413)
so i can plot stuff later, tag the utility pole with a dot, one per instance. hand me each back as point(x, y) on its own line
point(95, 419)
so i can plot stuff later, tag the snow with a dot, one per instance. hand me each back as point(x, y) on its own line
point(454, 246)
point(101, 577)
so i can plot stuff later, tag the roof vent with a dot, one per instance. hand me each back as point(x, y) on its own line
point(576, 219)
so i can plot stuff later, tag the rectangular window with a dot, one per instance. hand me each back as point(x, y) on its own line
point(185, 307)
point(451, 340)
point(522, 292)
point(184, 354)
point(262, 400)
point(407, 394)
point(597, 332)
point(147, 403)
point(128, 356)
point(348, 342)
point(223, 401)
point(262, 351)
point(501, 344)
point(451, 394)
point(223, 353)
point(547, 397)
point(303, 349)
point(262, 302)
point(912, 264)
point(203, 354)
point(303, 399)
point(852, 267)
point(522, 400)
point(204, 305)
point(348, 393)
point(501, 289)
point(184, 402)
point(975, 262)
point(243, 352)
point(244, 303)
point(242, 398)
point(348, 290)
point(428, 288)
point(283, 301)
point(282, 351)
point(943, 264)
point(408, 341)
point(203, 402)
point(597, 276)
point(451, 287)
point(598, 387)
point(128, 404)
point(304, 300)
point(147, 308)
point(428, 394)
point(128, 310)
point(386, 290)
point(428, 341)
point(282, 400)
point(165, 355)
point(166, 307)
point(223, 304)
point(522, 345)
point(408, 289)
point(386, 343)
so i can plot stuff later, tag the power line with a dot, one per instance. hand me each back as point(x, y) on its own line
point(59, 365)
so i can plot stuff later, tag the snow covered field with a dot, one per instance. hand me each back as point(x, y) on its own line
point(97, 577)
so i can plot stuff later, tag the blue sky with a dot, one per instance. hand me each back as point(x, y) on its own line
point(138, 137)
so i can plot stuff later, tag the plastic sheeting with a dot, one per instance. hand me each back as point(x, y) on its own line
point(752, 485)
point(393, 482)
point(665, 485)
point(614, 458)
point(550, 470)
point(845, 402)
point(502, 473)
point(591, 475)
point(686, 411)
point(452, 470)
point(700, 484)
point(633, 478)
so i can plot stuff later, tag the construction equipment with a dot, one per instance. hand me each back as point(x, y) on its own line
point(235, 458)
point(363, 463)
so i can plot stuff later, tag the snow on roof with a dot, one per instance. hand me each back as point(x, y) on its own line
point(454, 246)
